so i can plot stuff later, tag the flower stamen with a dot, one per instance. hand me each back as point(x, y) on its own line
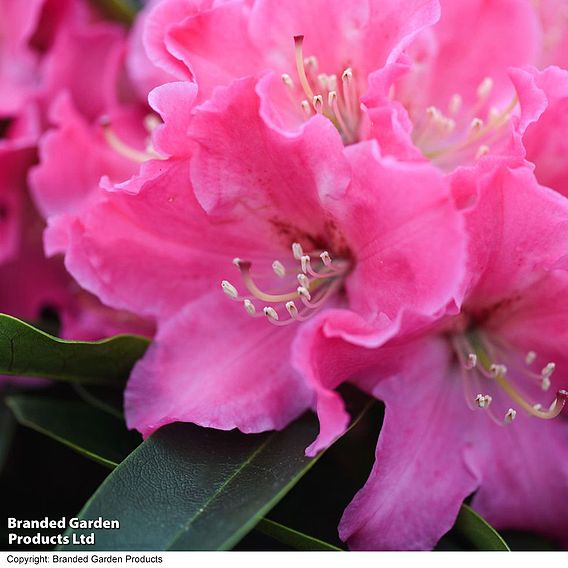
point(313, 289)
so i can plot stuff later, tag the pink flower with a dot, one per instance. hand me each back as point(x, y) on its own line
point(472, 403)
point(312, 226)
point(466, 95)
point(314, 57)
point(81, 80)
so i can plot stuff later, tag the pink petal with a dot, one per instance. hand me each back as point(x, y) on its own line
point(323, 354)
point(58, 185)
point(525, 477)
point(215, 45)
point(421, 473)
point(241, 160)
point(479, 39)
point(252, 387)
point(545, 141)
point(174, 103)
point(402, 229)
point(517, 229)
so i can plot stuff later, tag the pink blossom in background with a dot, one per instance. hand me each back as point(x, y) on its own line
point(467, 94)
point(67, 46)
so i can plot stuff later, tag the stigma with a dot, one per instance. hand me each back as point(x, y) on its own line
point(299, 286)
point(459, 134)
point(334, 96)
point(493, 375)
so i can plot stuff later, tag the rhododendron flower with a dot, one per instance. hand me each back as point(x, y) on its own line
point(474, 404)
point(466, 94)
point(314, 57)
point(288, 225)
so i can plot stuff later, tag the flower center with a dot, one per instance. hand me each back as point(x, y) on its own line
point(493, 371)
point(305, 282)
point(459, 133)
point(319, 93)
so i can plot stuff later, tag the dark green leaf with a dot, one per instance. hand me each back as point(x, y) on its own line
point(6, 432)
point(107, 399)
point(121, 10)
point(85, 429)
point(478, 531)
point(192, 488)
point(27, 351)
point(292, 538)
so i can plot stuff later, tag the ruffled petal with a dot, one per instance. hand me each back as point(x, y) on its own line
point(517, 229)
point(252, 387)
point(545, 141)
point(241, 161)
point(422, 473)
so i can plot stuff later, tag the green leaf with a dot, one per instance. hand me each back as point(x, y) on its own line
point(192, 488)
point(107, 399)
point(6, 432)
point(121, 10)
point(27, 351)
point(85, 429)
point(293, 538)
point(478, 531)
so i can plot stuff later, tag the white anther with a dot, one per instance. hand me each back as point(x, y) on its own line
point(455, 104)
point(271, 313)
point(434, 114)
point(292, 309)
point(305, 260)
point(471, 360)
point(318, 102)
point(325, 258)
point(306, 107)
point(484, 88)
point(237, 262)
point(510, 415)
point(483, 401)
point(476, 125)
point(347, 75)
point(279, 269)
point(537, 406)
point(498, 370)
point(483, 150)
point(287, 80)
point(249, 307)
point(297, 251)
point(530, 358)
point(304, 281)
point(311, 61)
point(545, 383)
point(304, 292)
point(229, 289)
point(331, 97)
point(548, 370)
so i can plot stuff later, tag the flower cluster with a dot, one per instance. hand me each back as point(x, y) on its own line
point(301, 194)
